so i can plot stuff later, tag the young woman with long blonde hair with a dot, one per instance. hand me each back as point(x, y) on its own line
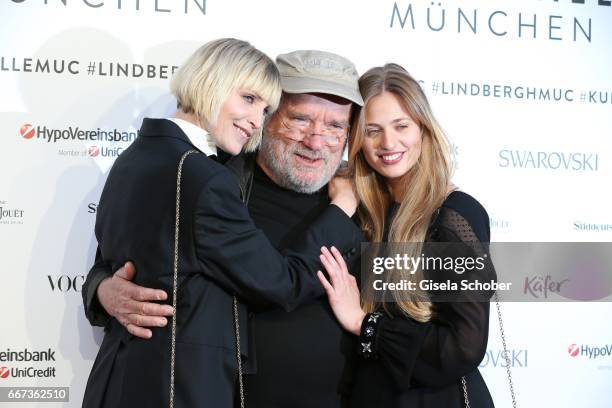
point(413, 351)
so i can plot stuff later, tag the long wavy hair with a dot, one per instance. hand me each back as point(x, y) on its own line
point(426, 184)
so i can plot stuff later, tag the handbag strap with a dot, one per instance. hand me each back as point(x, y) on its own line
point(175, 292)
point(506, 357)
point(238, 357)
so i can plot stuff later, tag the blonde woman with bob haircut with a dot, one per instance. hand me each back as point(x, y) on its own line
point(414, 349)
point(206, 80)
point(223, 92)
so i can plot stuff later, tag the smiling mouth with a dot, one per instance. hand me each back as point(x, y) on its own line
point(242, 132)
point(391, 158)
point(309, 161)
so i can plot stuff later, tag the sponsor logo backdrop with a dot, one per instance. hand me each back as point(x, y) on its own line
point(523, 89)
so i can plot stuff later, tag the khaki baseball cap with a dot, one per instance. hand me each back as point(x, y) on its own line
point(309, 71)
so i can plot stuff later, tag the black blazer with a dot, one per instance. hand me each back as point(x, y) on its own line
point(221, 254)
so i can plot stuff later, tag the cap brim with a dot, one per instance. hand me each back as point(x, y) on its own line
point(311, 85)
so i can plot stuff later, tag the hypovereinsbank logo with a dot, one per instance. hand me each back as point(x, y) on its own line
point(590, 351)
point(74, 134)
point(27, 131)
point(26, 354)
point(27, 363)
point(93, 151)
point(5, 372)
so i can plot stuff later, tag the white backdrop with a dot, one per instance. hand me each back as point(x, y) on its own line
point(523, 88)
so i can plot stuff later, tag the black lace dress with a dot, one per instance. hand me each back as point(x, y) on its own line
point(420, 365)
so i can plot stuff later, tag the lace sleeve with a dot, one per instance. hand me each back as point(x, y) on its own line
point(453, 343)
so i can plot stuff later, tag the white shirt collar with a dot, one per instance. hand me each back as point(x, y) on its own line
point(197, 136)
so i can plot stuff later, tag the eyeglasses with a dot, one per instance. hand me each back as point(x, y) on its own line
point(332, 134)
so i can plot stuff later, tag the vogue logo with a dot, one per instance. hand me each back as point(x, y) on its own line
point(65, 283)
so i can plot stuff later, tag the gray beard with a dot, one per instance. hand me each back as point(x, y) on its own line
point(276, 157)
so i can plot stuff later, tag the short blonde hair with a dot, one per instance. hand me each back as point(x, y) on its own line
point(203, 83)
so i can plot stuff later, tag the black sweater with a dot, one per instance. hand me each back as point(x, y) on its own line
point(300, 356)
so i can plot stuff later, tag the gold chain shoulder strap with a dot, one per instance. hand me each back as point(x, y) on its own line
point(506, 357)
point(175, 292)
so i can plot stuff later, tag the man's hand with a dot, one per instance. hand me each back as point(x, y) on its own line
point(130, 303)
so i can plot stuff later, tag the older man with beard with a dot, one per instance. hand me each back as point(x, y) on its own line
point(296, 359)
